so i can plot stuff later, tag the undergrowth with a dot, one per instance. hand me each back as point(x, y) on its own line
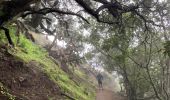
point(28, 51)
point(5, 92)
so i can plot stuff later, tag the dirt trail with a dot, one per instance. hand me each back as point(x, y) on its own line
point(107, 95)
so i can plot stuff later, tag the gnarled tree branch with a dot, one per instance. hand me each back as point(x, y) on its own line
point(51, 10)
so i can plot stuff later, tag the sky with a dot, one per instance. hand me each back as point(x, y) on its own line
point(88, 47)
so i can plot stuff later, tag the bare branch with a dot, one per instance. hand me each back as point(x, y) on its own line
point(51, 10)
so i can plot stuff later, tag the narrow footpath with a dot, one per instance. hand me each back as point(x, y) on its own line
point(107, 95)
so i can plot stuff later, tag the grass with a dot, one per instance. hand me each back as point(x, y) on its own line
point(28, 51)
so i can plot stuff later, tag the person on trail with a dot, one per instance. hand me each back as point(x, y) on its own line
point(99, 78)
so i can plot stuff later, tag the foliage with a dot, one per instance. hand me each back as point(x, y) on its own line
point(4, 91)
point(167, 48)
point(131, 40)
point(135, 53)
point(28, 51)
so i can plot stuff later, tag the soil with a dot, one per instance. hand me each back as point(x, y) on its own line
point(25, 80)
point(107, 95)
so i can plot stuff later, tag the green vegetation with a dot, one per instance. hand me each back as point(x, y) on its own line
point(28, 51)
point(4, 91)
point(128, 37)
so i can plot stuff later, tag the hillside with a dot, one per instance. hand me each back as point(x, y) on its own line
point(27, 72)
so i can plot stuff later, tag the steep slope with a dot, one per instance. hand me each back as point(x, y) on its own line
point(25, 80)
point(27, 72)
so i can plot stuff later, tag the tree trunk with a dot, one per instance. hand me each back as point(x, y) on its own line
point(53, 43)
point(130, 90)
point(7, 35)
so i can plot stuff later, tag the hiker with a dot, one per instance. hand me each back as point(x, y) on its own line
point(99, 78)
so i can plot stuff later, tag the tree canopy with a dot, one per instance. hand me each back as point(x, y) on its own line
point(130, 37)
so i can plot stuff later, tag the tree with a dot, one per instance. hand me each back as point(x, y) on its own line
point(127, 33)
point(113, 10)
